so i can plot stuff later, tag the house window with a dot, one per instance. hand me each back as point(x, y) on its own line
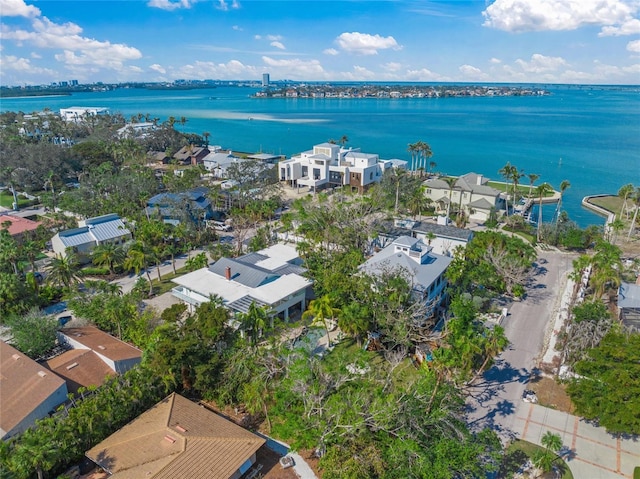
point(466, 195)
point(305, 171)
point(428, 191)
point(316, 173)
point(371, 175)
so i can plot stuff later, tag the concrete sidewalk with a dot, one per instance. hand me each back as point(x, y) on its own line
point(591, 452)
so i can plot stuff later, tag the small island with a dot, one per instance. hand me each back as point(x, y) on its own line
point(305, 90)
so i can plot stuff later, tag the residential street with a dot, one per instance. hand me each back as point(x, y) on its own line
point(495, 400)
point(495, 397)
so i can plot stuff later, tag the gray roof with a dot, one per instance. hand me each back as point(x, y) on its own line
point(290, 269)
point(629, 295)
point(246, 274)
point(444, 231)
point(422, 274)
point(467, 182)
point(244, 303)
point(95, 230)
point(253, 258)
point(481, 204)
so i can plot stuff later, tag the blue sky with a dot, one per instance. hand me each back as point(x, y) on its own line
point(545, 41)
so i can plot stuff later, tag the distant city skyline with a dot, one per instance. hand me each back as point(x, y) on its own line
point(511, 41)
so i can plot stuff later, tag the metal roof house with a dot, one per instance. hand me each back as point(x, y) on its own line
point(91, 233)
point(415, 260)
point(28, 391)
point(172, 208)
point(271, 277)
point(177, 438)
point(629, 305)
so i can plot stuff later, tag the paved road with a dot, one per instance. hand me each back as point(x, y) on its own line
point(494, 397)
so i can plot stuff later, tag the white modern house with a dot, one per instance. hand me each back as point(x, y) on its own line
point(271, 277)
point(91, 233)
point(136, 130)
point(470, 192)
point(79, 114)
point(329, 165)
point(417, 262)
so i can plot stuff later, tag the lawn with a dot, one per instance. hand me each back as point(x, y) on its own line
point(610, 203)
point(6, 200)
point(517, 454)
point(166, 285)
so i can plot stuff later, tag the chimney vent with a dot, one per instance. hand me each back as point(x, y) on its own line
point(227, 273)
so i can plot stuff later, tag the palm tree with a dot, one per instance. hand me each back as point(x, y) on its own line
point(533, 177)
point(206, 135)
point(344, 139)
point(255, 320)
point(398, 175)
point(432, 167)
point(507, 172)
point(552, 444)
point(413, 150)
point(424, 152)
point(64, 270)
point(418, 202)
point(136, 260)
point(451, 181)
point(625, 192)
point(495, 342)
point(321, 310)
point(109, 255)
point(563, 187)
point(9, 250)
point(615, 227)
point(542, 190)
point(636, 201)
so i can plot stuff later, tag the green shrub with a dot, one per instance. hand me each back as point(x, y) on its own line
point(95, 271)
point(636, 472)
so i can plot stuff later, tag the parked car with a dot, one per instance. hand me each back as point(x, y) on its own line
point(218, 225)
point(529, 396)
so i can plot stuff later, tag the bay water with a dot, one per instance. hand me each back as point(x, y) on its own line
point(588, 135)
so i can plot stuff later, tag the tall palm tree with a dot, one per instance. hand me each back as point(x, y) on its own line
point(418, 202)
point(432, 167)
point(625, 192)
point(542, 190)
point(109, 255)
point(321, 310)
point(563, 187)
point(136, 260)
point(344, 139)
point(255, 320)
point(206, 135)
point(64, 271)
point(533, 177)
point(451, 181)
point(413, 150)
point(636, 201)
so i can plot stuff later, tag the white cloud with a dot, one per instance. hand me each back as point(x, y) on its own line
point(17, 8)
point(77, 49)
point(158, 68)
point(540, 63)
point(36, 55)
point(331, 51)
point(424, 74)
point(170, 5)
point(629, 27)
point(23, 65)
point(392, 66)
point(365, 44)
point(471, 72)
point(296, 68)
point(358, 74)
point(634, 46)
point(274, 38)
point(224, 5)
point(495, 61)
point(538, 15)
point(233, 69)
point(258, 37)
point(237, 28)
point(278, 45)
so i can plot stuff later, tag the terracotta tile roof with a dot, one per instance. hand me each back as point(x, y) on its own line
point(80, 367)
point(176, 439)
point(24, 385)
point(19, 225)
point(102, 343)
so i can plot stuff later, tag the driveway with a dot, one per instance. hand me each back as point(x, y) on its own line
point(494, 398)
point(590, 451)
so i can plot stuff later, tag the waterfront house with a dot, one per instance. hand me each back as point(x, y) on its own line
point(443, 239)
point(91, 233)
point(470, 192)
point(328, 165)
point(136, 130)
point(177, 438)
point(419, 265)
point(191, 155)
point(218, 162)
point(172, 208)
point(80, 114)
point(28, 391)
point(271, 277)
